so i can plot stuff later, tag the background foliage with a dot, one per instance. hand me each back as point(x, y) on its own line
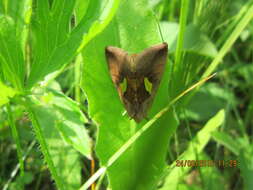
point(60, 112)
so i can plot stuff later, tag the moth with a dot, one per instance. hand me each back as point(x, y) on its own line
point(137, 76)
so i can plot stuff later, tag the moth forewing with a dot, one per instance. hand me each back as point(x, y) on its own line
point(136, 69)
point(115, 59)
point(152, 61)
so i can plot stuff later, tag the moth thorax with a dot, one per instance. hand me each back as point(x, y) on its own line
point(132, 64)
point(134, 83)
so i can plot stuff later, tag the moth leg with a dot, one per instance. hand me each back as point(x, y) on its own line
point(124, 113)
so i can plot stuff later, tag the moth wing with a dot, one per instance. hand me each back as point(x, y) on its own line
point(116, 58)
point(151, 62)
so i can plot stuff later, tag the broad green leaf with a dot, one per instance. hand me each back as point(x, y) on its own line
point(107, 11)
point(6, 93)
point(50, 30)
point(199, 109)
point(11, 56)
point(20, 11)
point(195, 147)
point(133, 29)
point(227, 141)
point(69, 120)
point(65, 158)
point(81, 9)
point(54, 42)
point(14, 20)
point(194, 40)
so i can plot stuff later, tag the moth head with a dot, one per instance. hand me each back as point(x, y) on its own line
point(138, 111)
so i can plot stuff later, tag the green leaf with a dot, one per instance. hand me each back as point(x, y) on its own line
point(54, 42)
point(69, 120)
point(195, 147)
point(199, 109)
point(133, 29)
point(227, 141)
point(11, 57)
point(14, 22)
point(20, 11)
point(194, 40)
point(6, 93)
point(107, 10)
point(64, 157)
point(50, 30)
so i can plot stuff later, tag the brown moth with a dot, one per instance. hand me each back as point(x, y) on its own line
point(140, 73)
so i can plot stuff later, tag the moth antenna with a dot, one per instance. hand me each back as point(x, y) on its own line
point(159, 28)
